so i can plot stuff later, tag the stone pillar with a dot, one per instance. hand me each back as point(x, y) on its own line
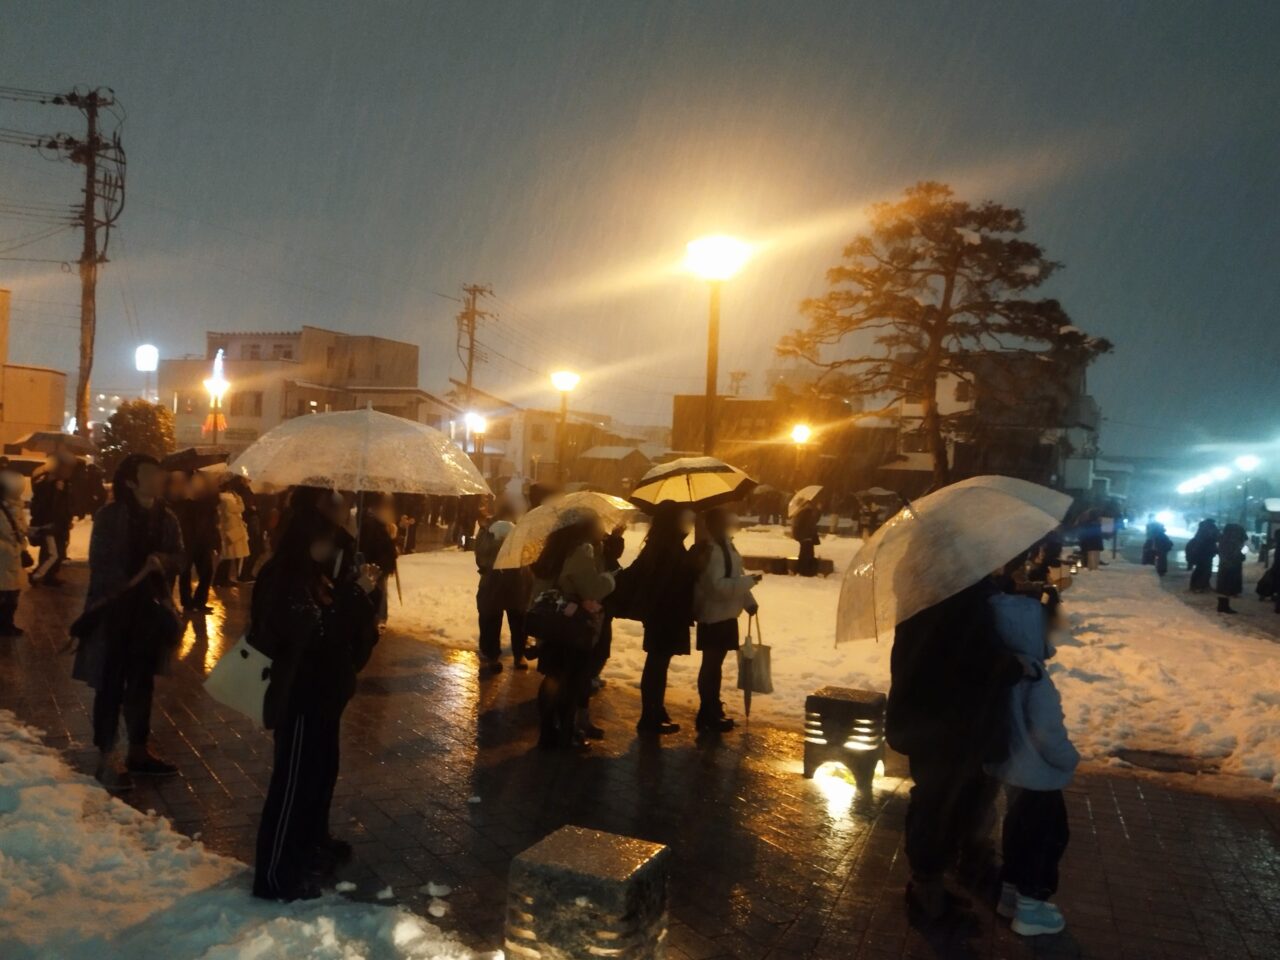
point(581, 893)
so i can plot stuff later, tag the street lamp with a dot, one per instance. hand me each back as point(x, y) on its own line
point(145, 360)
point(217, 386)
point(800, 435)
point(476, 425)
point(564, 381)
point(715, 259)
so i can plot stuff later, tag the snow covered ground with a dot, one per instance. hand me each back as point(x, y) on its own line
point(87, 877)
point(1141, 670)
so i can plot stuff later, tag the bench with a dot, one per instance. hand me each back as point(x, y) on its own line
point(782, 566)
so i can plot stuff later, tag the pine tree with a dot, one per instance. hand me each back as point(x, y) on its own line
point(136, 427)
point(932, 281)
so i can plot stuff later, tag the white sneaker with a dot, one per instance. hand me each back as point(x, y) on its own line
point(1036, 917)
point(1008, 905)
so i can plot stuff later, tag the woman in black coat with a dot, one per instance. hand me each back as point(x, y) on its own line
point(1200, 551)
point(663, 578)
point(317, 632)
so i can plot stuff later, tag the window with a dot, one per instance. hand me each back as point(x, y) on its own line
point(328, 357)
point(377, 371)
point(281, 351)
point(250, 351)
point(351, 368)
point(914, 442)
point(539, 432)
point(964, 391)
point(245, 404)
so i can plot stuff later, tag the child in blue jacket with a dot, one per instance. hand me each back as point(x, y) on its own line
point(1040, 764)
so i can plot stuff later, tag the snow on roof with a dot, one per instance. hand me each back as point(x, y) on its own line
point(610, 453)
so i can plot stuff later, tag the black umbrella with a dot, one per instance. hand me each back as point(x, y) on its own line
point(50, 441)
point(191, 459)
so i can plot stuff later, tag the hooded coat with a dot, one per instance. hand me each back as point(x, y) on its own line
point(1041, 755)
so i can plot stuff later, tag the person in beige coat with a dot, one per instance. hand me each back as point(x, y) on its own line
point(13, 548)
point(234, 534)
point(722, 592)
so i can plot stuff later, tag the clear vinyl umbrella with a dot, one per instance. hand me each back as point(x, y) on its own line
point(802, 498)
point(361, 450)
point(940, 545)
point(700, 482)
point(524, 543)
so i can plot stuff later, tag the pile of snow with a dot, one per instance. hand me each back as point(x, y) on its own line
point(1140, 669)
point(87, 877)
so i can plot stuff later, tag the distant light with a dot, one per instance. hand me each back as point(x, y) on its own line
point(1220, 473)
point(1194, 485)
point(1165, 517)
point(217, 384)
point(1247, 463)
point(565, 380)
point(475, 422)
point(801, 433)
point(717, 257)
point(146, 358)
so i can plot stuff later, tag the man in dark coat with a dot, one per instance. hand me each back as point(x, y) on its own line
point(129, 627)
point(804, 530)
point(1200, 551)
point(198, 517)
point(950, 680)
point(51, 514)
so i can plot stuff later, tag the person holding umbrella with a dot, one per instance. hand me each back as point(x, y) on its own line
point(722, 593)
point(662, 580)
point(926, 576)
point(805, 517)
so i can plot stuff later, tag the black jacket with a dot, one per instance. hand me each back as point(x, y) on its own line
point(950, 679)
point(316, 648)
point(50, 501)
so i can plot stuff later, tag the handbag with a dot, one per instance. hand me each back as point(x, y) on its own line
point(557, 622)
point(239, 680)
point(755, 661)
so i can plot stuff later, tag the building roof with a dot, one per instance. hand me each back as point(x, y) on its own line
point(610, 453)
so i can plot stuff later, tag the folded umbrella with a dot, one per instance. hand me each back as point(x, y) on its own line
point(361, 450)
point(939, 545)
point(700, 482)
point(524, 543)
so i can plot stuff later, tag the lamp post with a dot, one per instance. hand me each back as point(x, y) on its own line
point(477, 424)
point(715, 259)
point(800, 435)
point(145, 360)
point(564, 381)
point(1246, 464)
point(217, 386)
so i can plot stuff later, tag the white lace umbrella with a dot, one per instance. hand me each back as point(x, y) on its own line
point(941, 544)
point(700, 482)
point(360, 450)
point(522, 545)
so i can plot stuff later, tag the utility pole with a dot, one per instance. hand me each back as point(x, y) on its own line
point(103, 159)
point(468, 319)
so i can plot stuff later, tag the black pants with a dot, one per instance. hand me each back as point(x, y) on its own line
point(715, 640)
point(1035, 837)
point(653, 688)
point(950, 813)
point(806, 563)
point(8, 610)
point(1201, 575)
point(201, 561)
point(295, 817)
point(564, 689)
point(603, 648)
point(491, 606)
point(128, 684)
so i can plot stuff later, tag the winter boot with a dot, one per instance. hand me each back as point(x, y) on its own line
point(111, 773)
point(1035, 917)
point(1224, 605)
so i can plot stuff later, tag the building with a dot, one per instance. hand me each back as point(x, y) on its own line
point(611, 469)
point(276, 376)
point(31, 398)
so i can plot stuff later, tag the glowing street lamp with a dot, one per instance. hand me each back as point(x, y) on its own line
point(564, 381)
point(146, 359)
point(716, 258)
point(1247, 464)
point(217, 386)
point(801, 433)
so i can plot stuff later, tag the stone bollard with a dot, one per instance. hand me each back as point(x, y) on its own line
point(847, 726)
point(580, 893)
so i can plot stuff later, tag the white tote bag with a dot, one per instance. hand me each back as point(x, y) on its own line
point(239, 680)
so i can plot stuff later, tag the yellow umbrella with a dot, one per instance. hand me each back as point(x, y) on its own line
point(524, 543)
point(699, 482)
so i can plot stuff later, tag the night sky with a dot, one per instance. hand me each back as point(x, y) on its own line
point(345, 164)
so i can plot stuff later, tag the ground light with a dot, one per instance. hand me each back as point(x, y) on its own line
point(846, 726)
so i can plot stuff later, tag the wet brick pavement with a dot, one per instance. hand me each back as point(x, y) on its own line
point(764, 865)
